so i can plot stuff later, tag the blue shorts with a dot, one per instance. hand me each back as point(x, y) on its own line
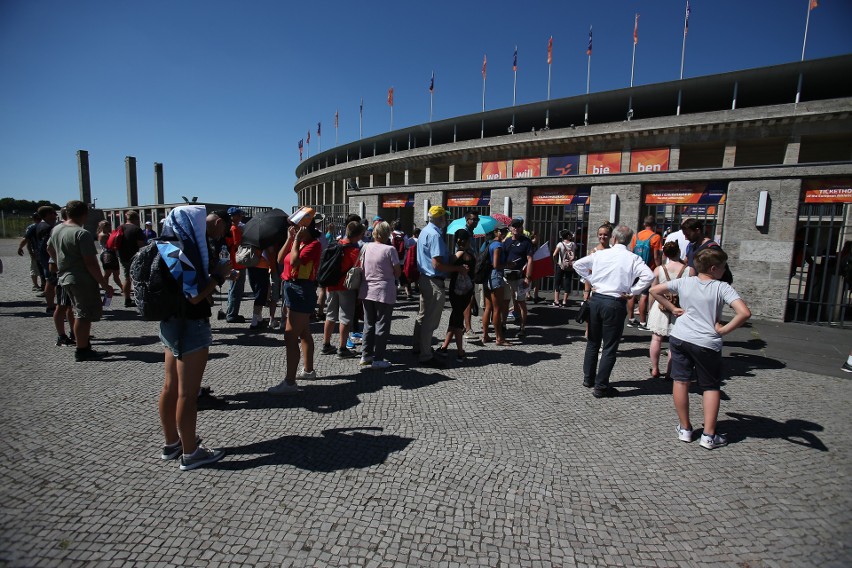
point(690, 360)
point(184, 336)
point(301, 295)
point(496, 281)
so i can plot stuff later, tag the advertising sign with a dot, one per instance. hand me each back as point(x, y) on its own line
point(398, 200)
point(561, 166)
point(526, 167)
point(603, 163)
point(472, 198)
point(686, 193)
point(573, 195)
point(652, 160)
point(494, 170)
point(828, 191)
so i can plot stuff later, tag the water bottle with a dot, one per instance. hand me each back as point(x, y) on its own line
point(224, 255)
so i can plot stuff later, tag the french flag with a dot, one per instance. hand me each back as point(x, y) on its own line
point(542, 262)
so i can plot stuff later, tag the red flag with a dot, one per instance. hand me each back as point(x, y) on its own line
point(814, 4)
point(484, 64)
point(550, 51)
point(636, 30)
point(542, 263)
point(390, 96)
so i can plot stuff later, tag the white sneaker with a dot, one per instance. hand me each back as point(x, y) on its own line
point(366, 360)
point(380, 364)
point(307, 375)
point(685, 434)
point(715, 441)
point(471, 335)
point(284, 389)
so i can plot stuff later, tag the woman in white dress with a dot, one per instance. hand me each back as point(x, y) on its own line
point(660, 322)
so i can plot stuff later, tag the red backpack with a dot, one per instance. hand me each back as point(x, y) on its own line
point(115, 239)
point(410, 269)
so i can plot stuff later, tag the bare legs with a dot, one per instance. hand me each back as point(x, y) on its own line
point(295, 333)
point(178, 399)
point(655, 350)
point(711, 399)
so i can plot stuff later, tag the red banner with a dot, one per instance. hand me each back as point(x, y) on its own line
point(398, 200)
point(828, 191)
point(686, 193)
point(603, 163)
point(653, 160)
point(472, 198)
point(493, 170)
point(526, 167)
point(561, 196)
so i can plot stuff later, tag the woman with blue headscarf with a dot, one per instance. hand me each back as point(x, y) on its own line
point(187, 337)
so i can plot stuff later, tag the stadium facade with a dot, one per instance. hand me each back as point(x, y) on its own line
point(764, 156)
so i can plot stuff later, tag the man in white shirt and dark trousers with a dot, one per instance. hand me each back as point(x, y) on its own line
point(612, 273)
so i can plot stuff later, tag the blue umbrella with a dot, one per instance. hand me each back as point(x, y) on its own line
point(486, 225)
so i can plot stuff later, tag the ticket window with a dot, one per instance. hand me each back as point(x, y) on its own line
point(554, 210)
point(670, 205)
point(401, 206)
point(820, 275)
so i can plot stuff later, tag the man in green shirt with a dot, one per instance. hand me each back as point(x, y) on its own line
point(73, 249)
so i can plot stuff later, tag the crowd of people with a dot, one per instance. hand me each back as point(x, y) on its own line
point(673, 288)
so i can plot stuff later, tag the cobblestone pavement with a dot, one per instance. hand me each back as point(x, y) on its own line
point(503, 461)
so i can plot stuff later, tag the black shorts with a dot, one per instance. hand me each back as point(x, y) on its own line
point(690, 360)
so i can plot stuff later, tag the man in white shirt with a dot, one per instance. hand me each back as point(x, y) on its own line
point(612, 273)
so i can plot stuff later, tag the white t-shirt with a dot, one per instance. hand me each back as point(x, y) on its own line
point(702, 301)
point(564, 249)
point(681, 242)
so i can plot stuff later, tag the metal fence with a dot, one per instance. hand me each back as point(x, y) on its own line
point(13, 226)
point(547, 221)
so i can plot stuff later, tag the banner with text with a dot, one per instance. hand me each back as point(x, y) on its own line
point(576, 195)
point(561, 166)
point(472, 198)
point(526, 168)
point(686, 193)
point(603, 163)
point(493, 170)
point(398, 200)
point(651, 160)
point(828, 190)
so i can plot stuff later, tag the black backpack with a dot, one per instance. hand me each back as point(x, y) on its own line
point(158, 295)
point(329, 272)
point(482, 271)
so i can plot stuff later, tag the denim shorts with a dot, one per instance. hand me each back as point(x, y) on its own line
point(301, 295)
point(184, 336)
point(496, 281)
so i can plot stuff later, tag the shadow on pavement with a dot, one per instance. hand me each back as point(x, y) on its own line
point(642, 387)
point(336, 449)
point(744, 364)
point(799, 432)
point(326, 398)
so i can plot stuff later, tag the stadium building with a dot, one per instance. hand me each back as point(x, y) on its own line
point(764, 156)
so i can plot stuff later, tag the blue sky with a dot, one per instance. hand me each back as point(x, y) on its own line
point(221, 92)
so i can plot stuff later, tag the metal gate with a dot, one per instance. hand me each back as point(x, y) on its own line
point(670, 215)
point(820, 274)
point(456, 212)
point(547, 221)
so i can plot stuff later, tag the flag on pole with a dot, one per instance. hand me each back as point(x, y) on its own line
point(309, 136)
point(390, 96)
point(336, 118)
point(484, 64)
point(686, 20)
point(515, 60)
point(542, 262)
point(301, 146)
point(636, 30)
point(319, 128)
point(589, 49)
point(814, 4)
point(550, 51)
point(432, 83)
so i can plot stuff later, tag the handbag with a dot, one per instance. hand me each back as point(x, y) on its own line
point(355, 275)
point(583, 313)
point(247, 256)
point(671, 296)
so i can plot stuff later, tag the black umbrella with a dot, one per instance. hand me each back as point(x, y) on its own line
point(268, 228)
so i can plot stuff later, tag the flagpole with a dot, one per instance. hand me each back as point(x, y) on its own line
point(682, 55)
point(807, 21)
point(588, 84)
point(549, 66)
point(336, 127)
point(484, 73)
point(632, 67)
point(514, 88)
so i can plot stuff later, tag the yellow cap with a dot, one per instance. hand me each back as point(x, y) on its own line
point(437, 211)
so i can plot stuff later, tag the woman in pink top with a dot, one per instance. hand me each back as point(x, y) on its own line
point(378, 292)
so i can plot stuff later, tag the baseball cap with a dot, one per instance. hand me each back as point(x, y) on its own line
point(235, 211)
point(147, 222)
point(437, 211)
point(377, 218)
point(517, 222)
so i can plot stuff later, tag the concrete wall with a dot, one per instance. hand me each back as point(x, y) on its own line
point(518, 201)
point(760, 258)
point(629, 204)
point(371, 203)
point(434, 197)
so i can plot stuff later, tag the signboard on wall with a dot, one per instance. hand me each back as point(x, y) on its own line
point(686, 193)
point(493, 170)
point(471, 198)
point(828, 190)
point(603, 163)
point(651, 160)
point(571, 195)
point(398, 200)
point(561, 166)
point(526, 167)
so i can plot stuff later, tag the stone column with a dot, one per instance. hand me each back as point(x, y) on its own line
point(674, 158)
point(584, 163)
point(760, 258)
point(625, 160)
point(452, 173)
point(791, 152)
point(730, 158)
point(629, 206)
point(517, 198)
point(434, 197)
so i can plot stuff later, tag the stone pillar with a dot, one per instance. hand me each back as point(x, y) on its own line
point(627, 213)
point(518, 202)
point(478, 170)
point(428, 175)
point(371, 181)
point(544, 162)
point(159, 190)
point(674, 158)
point(625, 160)
point(130, 176)
point(83, 173)
point(791, 152)
point(760, 258)
point(452, 173)
point(387, 179)
point(730, 158)
point(405, 179)
point(434, 197)
point(371, 205)
point(584, 163)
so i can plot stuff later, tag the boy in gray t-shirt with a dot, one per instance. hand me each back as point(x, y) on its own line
point(695, 343)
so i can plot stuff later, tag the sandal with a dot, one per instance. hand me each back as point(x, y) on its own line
point(502, 343)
